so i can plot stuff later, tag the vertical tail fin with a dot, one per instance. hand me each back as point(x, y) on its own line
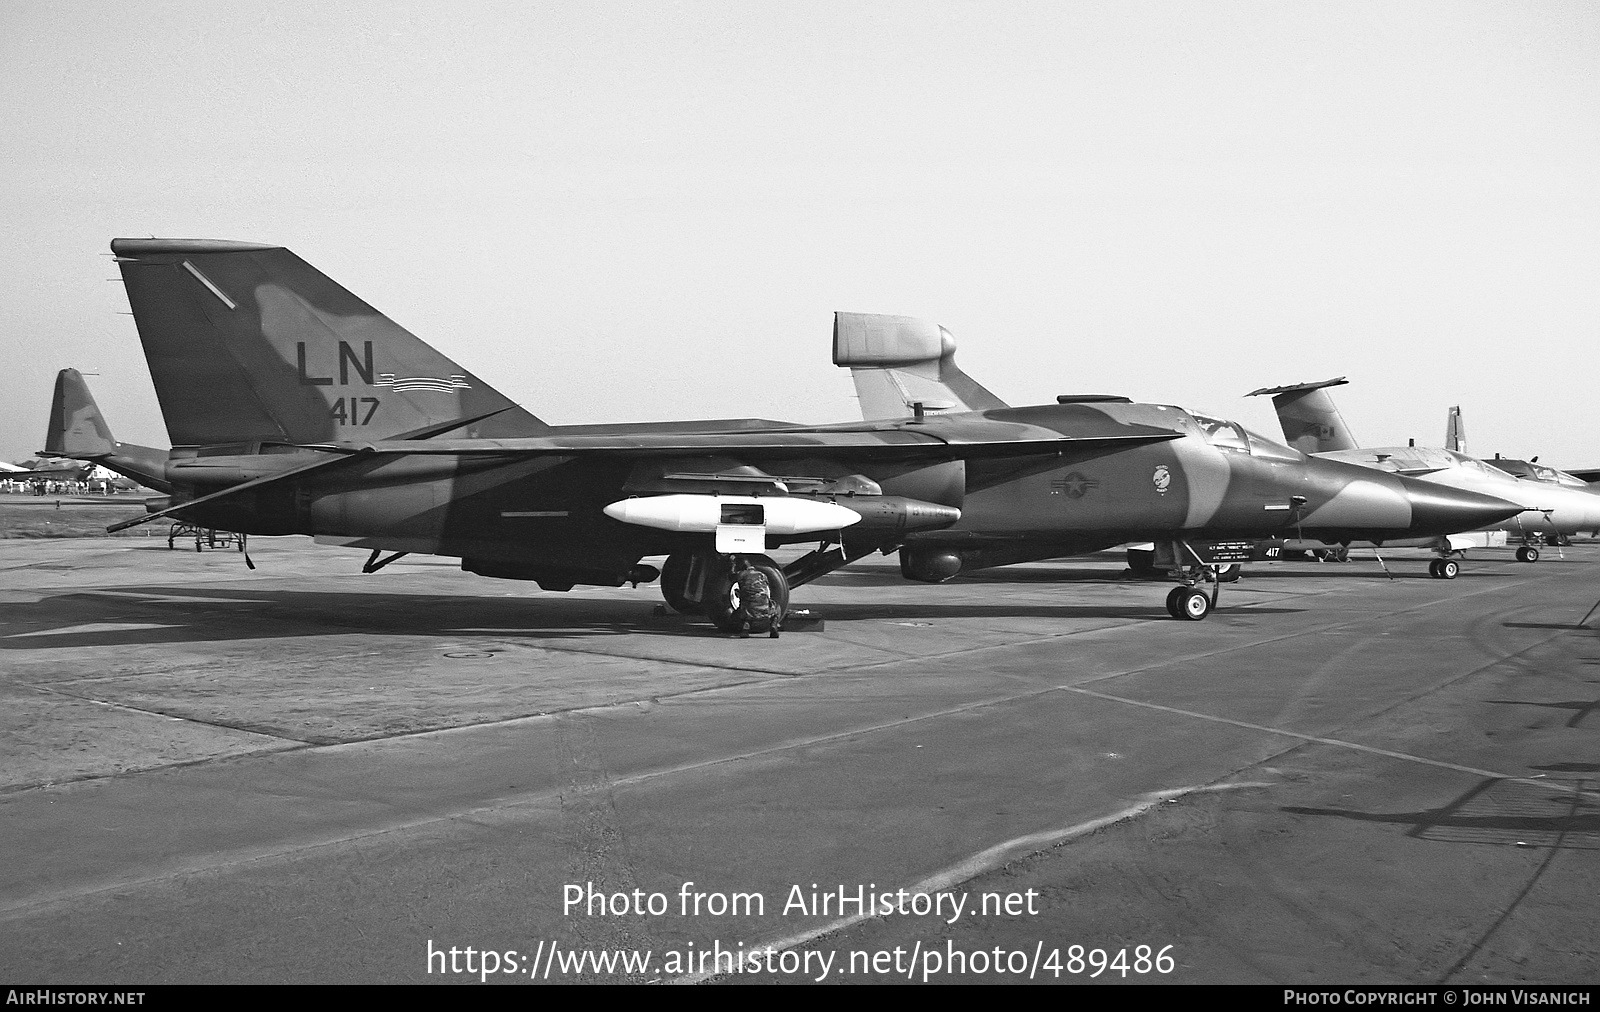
point(899, 361)
point(1455, 431)
point(249, 343)
point(78, 431)
point(1310, 422)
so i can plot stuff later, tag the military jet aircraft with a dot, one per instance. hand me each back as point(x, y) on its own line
point(1311, 423)
point(903, 366)
point(78, 431)
point(1526, 470)
point(296, 408)
point(39, 472)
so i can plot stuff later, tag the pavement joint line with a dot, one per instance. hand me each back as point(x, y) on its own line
point(1552, 785)
point(7, 791)
point(302, 745)
point(198, 667)
point(170, 716)
point(983, 862)
point(776, 672)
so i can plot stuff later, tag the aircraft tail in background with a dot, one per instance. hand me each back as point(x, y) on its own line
point(1310, 421)
point(78, 431)
point(898, 362)
point(248, 343)
point(1455, 431)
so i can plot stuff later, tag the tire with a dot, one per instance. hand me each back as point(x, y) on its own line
point(1527, 553)
point(1449, 569)
point(675, 580)
point(722, 595)
point(1172, 601)
point(1433, 569)
point(1230, 573)
point(1194, 605)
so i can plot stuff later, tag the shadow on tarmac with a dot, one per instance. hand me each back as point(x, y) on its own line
point(1496, 812)
point(192, 614)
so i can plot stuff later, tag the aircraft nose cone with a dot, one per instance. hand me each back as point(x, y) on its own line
point(1439, 509)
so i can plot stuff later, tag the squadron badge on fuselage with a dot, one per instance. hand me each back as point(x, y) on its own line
point(1162, 478)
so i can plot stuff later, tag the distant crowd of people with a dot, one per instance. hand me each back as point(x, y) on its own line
point(98, 486)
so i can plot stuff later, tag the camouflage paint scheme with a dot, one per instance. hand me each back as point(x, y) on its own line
point(78, 430)
point(1223, 482)
point(296, 408)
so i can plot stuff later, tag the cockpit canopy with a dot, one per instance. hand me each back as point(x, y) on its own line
point(1536, 472)
point(1233, 437)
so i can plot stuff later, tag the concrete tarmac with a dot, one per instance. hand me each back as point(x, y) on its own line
point(304, 774)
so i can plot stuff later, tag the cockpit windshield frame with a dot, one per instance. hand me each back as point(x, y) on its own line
point(1235, 438)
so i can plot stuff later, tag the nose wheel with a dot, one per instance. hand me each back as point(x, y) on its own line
point(1444, 569)
point(1188, 603)
point(1527, 553)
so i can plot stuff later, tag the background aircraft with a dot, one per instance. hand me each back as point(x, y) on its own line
point(296, 408)
point(78, 431)
point(1455, 438)
point(39, 472)
point(1309, 421)
point(905, 366)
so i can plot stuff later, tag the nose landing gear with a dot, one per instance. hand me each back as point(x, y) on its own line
point(1444, 569)
point(1190, 603)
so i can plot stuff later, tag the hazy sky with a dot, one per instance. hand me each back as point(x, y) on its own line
point(651, 210)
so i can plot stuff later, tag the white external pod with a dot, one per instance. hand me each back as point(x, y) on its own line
point(703, 514)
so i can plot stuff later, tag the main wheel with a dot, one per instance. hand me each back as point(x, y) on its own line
point(1173, 596)
point(722, 592)
point(1449, 569)
point(675, 584)
point(1194, 605)
point(1527, 553)
point(1230, 573)
point(1433, 569)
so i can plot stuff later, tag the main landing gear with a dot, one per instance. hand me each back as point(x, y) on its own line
point(1527, 553)
point(702, 583)
point(1444, 569)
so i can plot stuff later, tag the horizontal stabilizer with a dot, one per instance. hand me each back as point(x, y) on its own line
point(1295, 387)
point(270, 479)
